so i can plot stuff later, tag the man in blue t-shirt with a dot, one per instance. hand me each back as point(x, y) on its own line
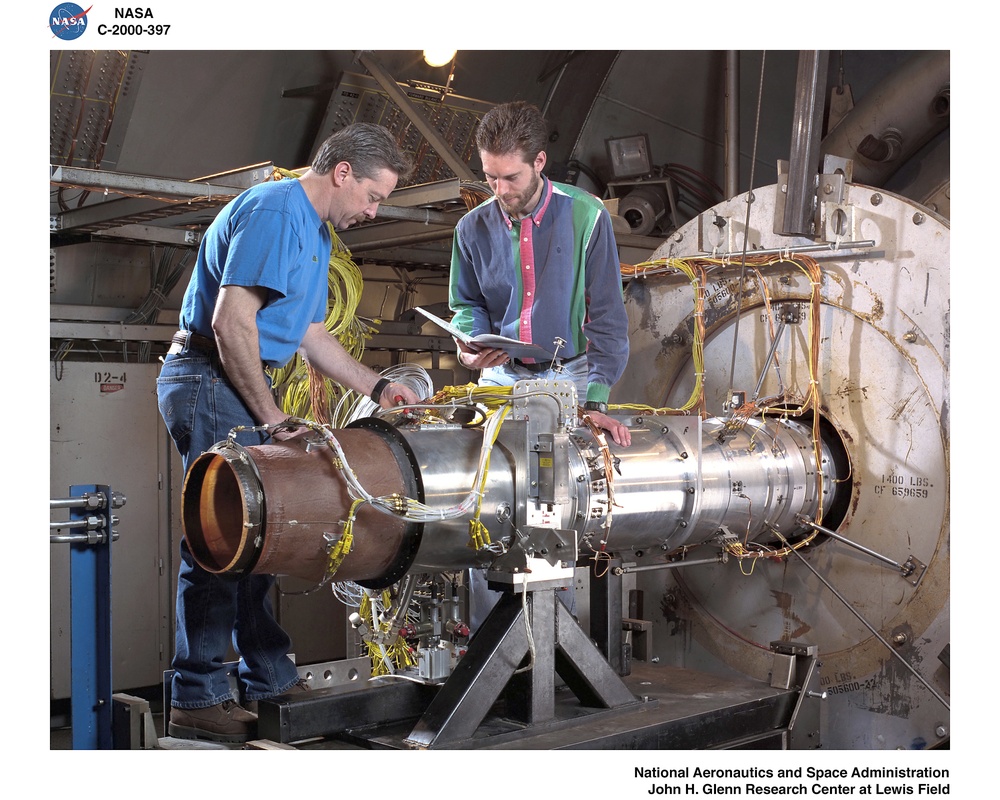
point(257, 296)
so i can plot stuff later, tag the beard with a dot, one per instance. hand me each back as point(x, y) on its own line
point(515, 204)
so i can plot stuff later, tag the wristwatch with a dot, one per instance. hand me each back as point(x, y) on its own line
point(379, 387)
point(592, 405)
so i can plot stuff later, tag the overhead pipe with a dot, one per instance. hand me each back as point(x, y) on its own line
point(804, 161)
point(732, 154)
point(402, 241)
point(890, 123)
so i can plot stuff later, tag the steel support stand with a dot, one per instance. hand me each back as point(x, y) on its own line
point(606, 615)
point(507, 653)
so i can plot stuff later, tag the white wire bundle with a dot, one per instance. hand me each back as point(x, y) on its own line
point(348, 593)
point(407, 507)
point(353, 406)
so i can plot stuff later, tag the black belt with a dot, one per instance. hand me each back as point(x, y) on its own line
point(189, 340)
point(544, 365)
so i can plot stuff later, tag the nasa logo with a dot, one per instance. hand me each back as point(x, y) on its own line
point(68, 21)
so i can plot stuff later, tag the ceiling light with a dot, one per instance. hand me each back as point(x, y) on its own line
point(438, 57)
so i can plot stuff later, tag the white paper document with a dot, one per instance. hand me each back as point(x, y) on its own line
point(512, 347)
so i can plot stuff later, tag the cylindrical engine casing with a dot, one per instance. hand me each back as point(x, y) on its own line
point(679, 484)
point(281, 508)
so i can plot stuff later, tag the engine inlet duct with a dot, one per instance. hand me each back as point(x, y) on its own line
point(373, 501)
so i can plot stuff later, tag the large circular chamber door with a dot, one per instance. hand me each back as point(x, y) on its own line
point(883, 381)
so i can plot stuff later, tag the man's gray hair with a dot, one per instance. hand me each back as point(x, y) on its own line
point(515, 127)
point(367, 147)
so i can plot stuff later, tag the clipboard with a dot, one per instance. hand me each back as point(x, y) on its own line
point(512, 347)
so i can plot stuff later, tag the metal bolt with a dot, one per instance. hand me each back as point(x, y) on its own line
point(941, 731)
point(876, 199)
point(820, 695)
point(899, 638)
point(910, 337)
point(918, 218)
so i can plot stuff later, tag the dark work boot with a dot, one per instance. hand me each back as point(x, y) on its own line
point(225, 722)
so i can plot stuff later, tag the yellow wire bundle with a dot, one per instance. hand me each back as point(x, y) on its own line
point(696, 269)
point(303, 392)
point(695, 272)
point(385, 658)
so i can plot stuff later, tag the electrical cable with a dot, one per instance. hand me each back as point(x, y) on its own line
point(697, 269)
point(353, 406)
point(303, 392)
point(393, 505)
point(704, 178)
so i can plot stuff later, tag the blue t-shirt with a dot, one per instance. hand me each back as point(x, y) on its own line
point(270, 236)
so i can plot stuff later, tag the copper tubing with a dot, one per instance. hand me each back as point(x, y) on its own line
point(278, 509)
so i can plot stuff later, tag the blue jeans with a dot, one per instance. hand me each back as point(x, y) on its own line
point(200, 407)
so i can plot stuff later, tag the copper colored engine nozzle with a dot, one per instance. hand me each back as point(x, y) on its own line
point(280, 508)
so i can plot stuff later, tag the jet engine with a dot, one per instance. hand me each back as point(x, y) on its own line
point(786, 492)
